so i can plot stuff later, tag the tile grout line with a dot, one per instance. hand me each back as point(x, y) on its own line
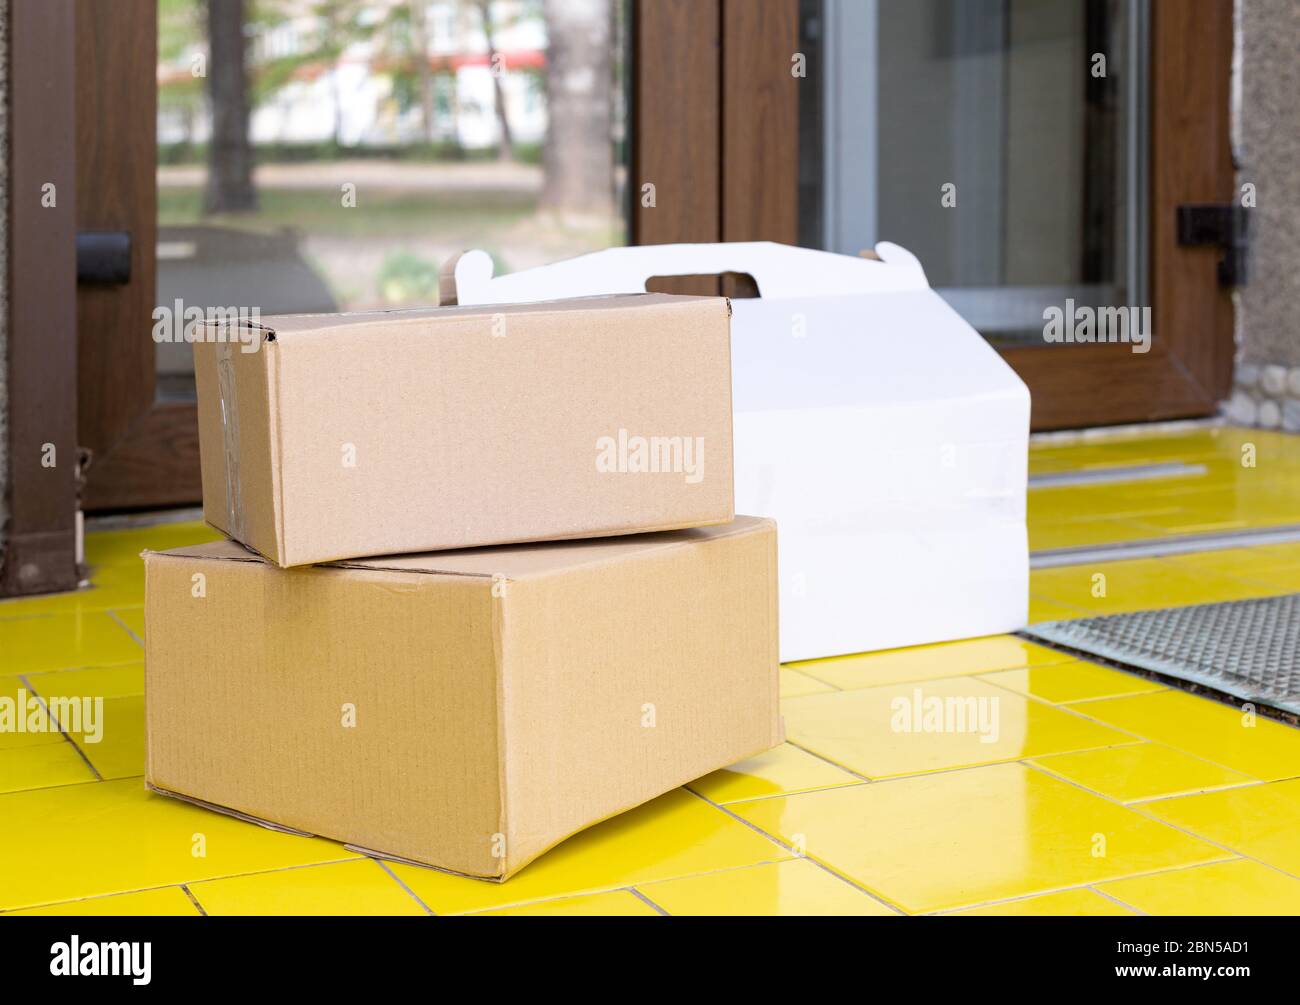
point(1126, 906)
point(641, 896)
point(797, 855)
point(1162, 743)
point(400, 882)
point(1141, 812)
point(193, 899)
point(112, 613)
point(80, 753)
point(825, 759)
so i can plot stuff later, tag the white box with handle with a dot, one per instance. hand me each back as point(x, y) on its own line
point(880, 430)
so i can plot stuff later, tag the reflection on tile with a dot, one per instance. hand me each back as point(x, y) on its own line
point(1211, 730)
point(677, 834)
point(949, 659)
point(791, 888)
point(169, 901)
point(779, 771)
point(1137, 585)
point(105, 591)
point(616, 904)
point(794, 684)
point(1236, 888)
point(359, 887)
point(1262, 821)
point(933, 725)
point(40, 766)
point(1140, 771)
point(1066, 682)
point(103, 682)
point(962, 838)
point(1066, 903)
point(63, 641)
point(112, 837)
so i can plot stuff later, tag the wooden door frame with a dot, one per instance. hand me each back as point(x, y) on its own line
point(715, 129)
point(40, 539)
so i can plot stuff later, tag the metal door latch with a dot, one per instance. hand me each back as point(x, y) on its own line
point(1224, 224)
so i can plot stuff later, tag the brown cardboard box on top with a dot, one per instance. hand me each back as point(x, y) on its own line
point(465, 710)
point(336, 436)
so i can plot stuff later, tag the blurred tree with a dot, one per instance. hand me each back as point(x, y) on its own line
point(578, 156)
point(182, 31)
point(230, 152)
point(497, 67)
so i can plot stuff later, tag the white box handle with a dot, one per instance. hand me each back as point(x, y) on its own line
point(781, 272)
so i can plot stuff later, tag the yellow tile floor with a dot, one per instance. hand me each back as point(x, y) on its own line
point(1073, 789)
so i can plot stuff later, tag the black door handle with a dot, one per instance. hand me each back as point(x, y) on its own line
point(104, 257)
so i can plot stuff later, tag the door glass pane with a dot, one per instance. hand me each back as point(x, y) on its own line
point(385, 136)
point(1000, 141)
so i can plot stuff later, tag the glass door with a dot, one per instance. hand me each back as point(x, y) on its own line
point(1009, 145)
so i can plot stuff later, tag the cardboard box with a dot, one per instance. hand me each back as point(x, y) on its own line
point(466, 710)
point(327, 437)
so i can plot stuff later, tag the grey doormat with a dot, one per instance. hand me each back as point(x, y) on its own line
point(1248, 649)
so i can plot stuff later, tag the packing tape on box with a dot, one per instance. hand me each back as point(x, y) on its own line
point(230, 439)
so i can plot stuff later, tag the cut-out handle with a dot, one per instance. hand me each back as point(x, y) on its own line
point(779, 270)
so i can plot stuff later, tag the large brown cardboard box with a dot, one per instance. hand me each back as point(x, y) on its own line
point(465, 710)
point(337, 436)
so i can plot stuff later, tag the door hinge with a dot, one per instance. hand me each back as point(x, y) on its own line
point(1224, 224)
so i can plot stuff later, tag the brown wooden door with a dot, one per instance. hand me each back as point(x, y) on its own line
point(717, 133)
point(143, 450)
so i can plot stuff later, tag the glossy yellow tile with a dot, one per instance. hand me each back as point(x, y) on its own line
point(123, 547)
point(1082, 902)
point(1136, 585)
point(1042, 609)
point(38, 767)
point(1275, 566)
point(779, 771)
point(798, 887)
point(1262, 821)
point(111, 734)
point(1067, 682)
point(1239, 887)
point(794, 684)
point(1047, 534)
point(678, 834)
point(169, 901)
point(964, 838)
point(1141, 771)
point(616, 904)
point(1208, 729)
point(112, 837)
point(64, 641)
point(359, 887)
point(103, 682)
point(948, 659)
point(905, 729)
